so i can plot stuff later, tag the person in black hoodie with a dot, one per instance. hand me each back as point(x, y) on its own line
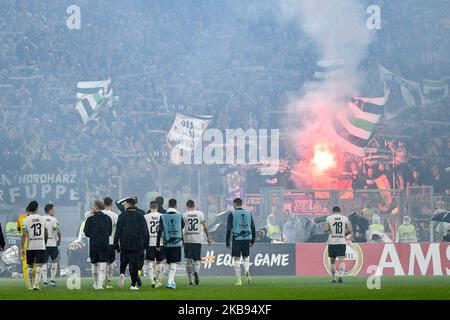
point(98, 228)
point(131, 239)
point(124, 262)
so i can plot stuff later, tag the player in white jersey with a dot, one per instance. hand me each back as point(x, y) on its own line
point(194, 222)
point(111, 253)
point(338, 227)
point(35, 235)
point(155, 258)
point(54, 240)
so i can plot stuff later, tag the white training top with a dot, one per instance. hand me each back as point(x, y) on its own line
point(193, 226)
point(337, 224)
point(152, 220)
point(35, 226)
point(114, 216)
point(52, 226)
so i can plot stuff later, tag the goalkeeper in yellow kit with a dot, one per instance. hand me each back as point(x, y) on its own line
point(32, 207)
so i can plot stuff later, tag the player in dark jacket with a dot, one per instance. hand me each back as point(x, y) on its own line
point(98, 228)
point(131, 239)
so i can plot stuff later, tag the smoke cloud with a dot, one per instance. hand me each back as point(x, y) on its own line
point(338, 29)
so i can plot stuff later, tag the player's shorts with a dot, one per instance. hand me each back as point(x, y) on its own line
point(152, 254)
point(111, 254)
point(193, 251)
point(97, 256)
point(173, 254)
point(240, 247)
point(336, 250)
point(52, 253)
point(36, 256)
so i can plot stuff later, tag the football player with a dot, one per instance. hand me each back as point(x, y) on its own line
point(240, 224)
point(34, 239)
point(338, 227)
point(155, 258)
point(195, 225)
point(54, 240)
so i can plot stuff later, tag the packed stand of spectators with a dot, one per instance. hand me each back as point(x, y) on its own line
point(161, 58)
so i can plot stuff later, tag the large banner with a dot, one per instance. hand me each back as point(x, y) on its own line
point(405, 259)
point(187, 131)
point(60, 188)
point(265, 259)
point(415, 93)
point(306, 203)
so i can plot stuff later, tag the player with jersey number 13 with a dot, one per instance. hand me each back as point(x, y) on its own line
point(34, 237)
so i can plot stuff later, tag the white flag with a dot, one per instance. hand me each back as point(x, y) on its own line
point(187, 131)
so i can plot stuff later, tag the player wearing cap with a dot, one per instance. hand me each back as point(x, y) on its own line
point(131, 238)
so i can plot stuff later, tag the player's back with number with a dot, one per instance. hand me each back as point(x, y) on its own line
point(152, 220)
point(35, 225)
point(338, 225)
point(193, 221)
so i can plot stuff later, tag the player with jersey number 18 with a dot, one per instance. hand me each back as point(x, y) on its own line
point(338, 227)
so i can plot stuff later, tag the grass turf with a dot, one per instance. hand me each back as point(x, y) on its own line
point(273, 288)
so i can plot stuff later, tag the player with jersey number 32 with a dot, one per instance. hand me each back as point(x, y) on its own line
point(338, 227)
point(195, 225)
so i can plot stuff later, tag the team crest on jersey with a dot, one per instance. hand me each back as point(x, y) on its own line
point(353, 259)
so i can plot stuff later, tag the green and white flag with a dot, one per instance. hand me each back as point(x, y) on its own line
point(91, 96)
point(352, 128)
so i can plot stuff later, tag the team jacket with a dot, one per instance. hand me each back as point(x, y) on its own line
point(131, 231)
point(98, 228)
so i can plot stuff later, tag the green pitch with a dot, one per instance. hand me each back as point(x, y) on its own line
point(423, 287)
